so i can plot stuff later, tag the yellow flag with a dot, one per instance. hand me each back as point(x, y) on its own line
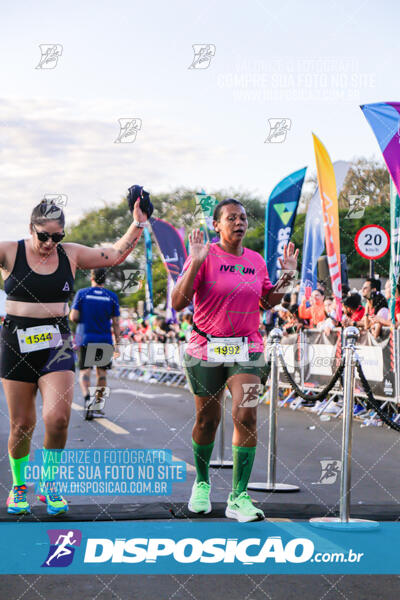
point(328, 193)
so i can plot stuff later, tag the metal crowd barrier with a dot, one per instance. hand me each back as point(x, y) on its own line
point(150, 362)
point(350, 336)
point(312, 358)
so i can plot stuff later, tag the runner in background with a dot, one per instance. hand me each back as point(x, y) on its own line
point(96, 310)
point(227, 283)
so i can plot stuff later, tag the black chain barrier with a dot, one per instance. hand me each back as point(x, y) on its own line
point(299, 392)
point(371, 402)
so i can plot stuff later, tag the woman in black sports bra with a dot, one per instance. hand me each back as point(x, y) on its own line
point(35, 339)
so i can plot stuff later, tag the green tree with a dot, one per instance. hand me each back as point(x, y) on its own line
point(369, 179)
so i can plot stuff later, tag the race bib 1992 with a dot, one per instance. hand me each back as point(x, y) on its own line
point(228, 349)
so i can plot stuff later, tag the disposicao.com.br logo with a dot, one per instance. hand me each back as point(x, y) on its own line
point(173, 546)
point(189, 550)
point(62, 547)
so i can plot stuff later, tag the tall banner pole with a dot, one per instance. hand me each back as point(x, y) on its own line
point(329, 199)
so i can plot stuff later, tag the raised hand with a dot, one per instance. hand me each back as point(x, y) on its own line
point(138, 214)
point(289, 261)
point(197, 249)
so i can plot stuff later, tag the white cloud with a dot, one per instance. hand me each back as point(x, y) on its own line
point(68, 147)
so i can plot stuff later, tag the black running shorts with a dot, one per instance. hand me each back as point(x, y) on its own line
point(30, 366)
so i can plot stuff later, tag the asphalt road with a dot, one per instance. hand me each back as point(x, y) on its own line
point(140, 415)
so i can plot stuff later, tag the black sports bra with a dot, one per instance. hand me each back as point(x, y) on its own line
point(25, 285)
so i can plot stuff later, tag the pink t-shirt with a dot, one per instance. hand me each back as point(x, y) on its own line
point(227, 290)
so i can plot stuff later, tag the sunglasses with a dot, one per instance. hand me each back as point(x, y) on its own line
point(43, 236)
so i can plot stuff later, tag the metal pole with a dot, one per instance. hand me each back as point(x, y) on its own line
point(371, 268)
point(271, 485)
point(272, 425)
point(220, 462)
point(350, 335)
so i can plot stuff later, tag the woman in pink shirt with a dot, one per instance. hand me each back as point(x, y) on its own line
point(227, 284)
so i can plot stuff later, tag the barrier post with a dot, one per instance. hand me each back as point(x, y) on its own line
point(271, 485)
point(220, 462)
point(350, 336)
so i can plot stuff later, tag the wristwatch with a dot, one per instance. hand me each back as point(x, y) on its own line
point(138, 224)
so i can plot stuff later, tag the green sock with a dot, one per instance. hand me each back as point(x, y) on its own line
point(243, 459)
point(202, 456)
point(17, 469)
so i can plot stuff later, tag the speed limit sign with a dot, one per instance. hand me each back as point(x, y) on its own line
point(372, 241)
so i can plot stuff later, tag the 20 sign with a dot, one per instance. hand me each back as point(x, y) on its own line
point(372, 242)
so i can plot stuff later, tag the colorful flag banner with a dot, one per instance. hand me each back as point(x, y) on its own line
point(280, 214)
point(149, 273)
point(394, 245)
point(313, 241)
point(171, 246)
point(170, 313)
point(384, 119)
point(329, 199)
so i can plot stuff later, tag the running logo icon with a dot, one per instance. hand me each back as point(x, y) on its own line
point(132, 280)
point(60, 353)
point(62, 547)
point(128, 129)
point(203, 54)
point(330, 471)
point(98, 397)
point(357, 205)
point(251, 395)
point(278, 129)
point(50, 53)
point(52, 205)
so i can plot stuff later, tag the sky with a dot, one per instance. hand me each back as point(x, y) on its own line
point(307, 64)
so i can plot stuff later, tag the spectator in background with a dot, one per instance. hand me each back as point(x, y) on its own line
point(370, 285)
point(378, 315)
point(345, 291)
point(268, 320)
point(293, 322)
point(329, 306)
point(186, 327)
point(353, 310)
point(397, 305)
point(286, 301)
point(388, 290)
point(283, 315)
point(321, 286)
point(330, 321)
point(315, 312)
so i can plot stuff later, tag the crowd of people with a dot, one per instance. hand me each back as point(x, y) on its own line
point(155, 328)
point(367, 309)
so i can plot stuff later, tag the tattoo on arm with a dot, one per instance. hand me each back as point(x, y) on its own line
point(128, 246)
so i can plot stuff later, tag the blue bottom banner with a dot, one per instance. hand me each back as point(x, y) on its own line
point(143, 547)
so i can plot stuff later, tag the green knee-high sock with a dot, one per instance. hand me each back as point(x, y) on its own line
point(202, 456)
point(17, 469)
point(243, 459)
